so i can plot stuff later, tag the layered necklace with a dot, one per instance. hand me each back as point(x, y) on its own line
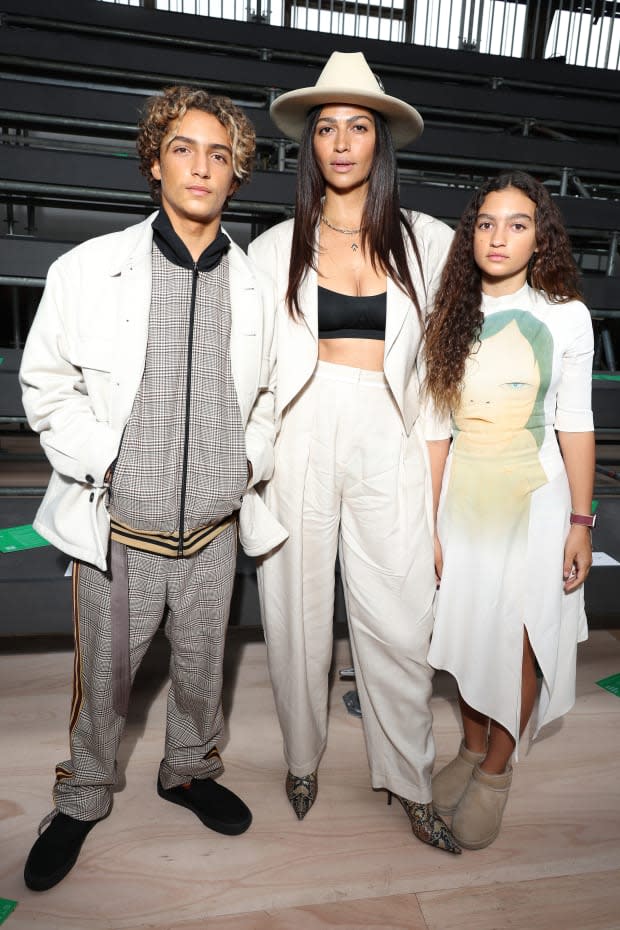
point(345, 230)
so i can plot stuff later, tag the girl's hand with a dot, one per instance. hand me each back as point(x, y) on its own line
point(438, 560)
point(577, 557)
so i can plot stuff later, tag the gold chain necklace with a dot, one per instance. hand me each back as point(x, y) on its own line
point(345, 230)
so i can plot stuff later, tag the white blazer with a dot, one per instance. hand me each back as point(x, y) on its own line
point(298, 340)
point(82, 367)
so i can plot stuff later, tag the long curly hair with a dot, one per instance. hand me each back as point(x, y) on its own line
point(164, 110)
point(385, 231)
point(454, 326)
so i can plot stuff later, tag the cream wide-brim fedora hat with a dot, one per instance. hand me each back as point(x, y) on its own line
point(346, 78)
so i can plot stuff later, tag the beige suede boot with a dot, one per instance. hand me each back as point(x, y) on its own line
point(478, 816)
point(450, 783)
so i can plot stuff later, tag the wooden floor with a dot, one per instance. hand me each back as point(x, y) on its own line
point(353, 862)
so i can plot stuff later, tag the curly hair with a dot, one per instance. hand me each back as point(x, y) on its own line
point(456, 321)
point(162, 111)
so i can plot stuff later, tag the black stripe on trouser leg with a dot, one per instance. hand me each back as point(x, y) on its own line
point(78, 692)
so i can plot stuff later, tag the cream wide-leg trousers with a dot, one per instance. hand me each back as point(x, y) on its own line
point(349, 480)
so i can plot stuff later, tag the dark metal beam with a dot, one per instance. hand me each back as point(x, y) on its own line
point(298, 46)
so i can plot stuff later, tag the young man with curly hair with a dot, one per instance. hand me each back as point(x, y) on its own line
point(149, 373)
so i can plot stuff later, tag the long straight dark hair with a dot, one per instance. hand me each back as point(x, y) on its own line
point(382, 221)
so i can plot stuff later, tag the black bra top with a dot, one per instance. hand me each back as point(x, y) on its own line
point(344, 317)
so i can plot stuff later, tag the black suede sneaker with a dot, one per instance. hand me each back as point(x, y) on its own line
point(216, 806)
point(56, 851)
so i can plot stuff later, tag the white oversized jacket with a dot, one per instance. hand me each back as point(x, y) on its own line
point(403, 364)
point(298, 340)
point(82, 367)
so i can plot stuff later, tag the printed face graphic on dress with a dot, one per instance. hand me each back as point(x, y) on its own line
point(505, 240)
point(500, 420)
point(501, 384)
point(195, 169)
point(344, 146)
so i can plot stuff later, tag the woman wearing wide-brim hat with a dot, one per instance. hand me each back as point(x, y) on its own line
point(354, 277)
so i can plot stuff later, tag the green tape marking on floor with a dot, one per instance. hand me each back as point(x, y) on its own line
point(599, 376)
point(16, 538)
point(611, 684)
point(6, 907)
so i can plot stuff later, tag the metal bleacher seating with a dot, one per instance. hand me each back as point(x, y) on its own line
point(73, 77)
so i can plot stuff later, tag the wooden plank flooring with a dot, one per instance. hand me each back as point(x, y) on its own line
point(353, 862)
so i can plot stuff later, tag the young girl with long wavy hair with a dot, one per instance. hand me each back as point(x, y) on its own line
point(509, 357)
point(354, 276)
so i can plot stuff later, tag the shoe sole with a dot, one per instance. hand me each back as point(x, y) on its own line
point(218, 826)
point(481, 844)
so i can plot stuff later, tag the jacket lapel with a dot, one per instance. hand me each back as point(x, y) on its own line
point(298, 345)
point(132, 321)
point(245, 329)
point(402, 338)
point(398, 308)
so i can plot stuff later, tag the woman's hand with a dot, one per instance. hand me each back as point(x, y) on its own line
point(438, 560)
point(578, 454)
point(577, 557)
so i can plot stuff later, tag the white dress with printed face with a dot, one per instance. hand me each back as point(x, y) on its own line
point(505, 506)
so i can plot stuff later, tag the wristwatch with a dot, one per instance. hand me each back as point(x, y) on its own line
point(581, 519)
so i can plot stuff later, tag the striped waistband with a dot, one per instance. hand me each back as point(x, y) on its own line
point(169, 544)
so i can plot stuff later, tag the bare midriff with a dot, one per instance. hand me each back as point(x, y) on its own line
point(358, 353)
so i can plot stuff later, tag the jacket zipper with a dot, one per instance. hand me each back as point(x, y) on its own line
point(188, 393)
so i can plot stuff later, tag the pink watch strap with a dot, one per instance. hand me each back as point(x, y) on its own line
point(582, 520)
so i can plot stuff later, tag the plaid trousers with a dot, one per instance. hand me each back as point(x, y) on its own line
point(193, 595)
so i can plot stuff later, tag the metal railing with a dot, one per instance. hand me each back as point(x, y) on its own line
point(579, 32)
